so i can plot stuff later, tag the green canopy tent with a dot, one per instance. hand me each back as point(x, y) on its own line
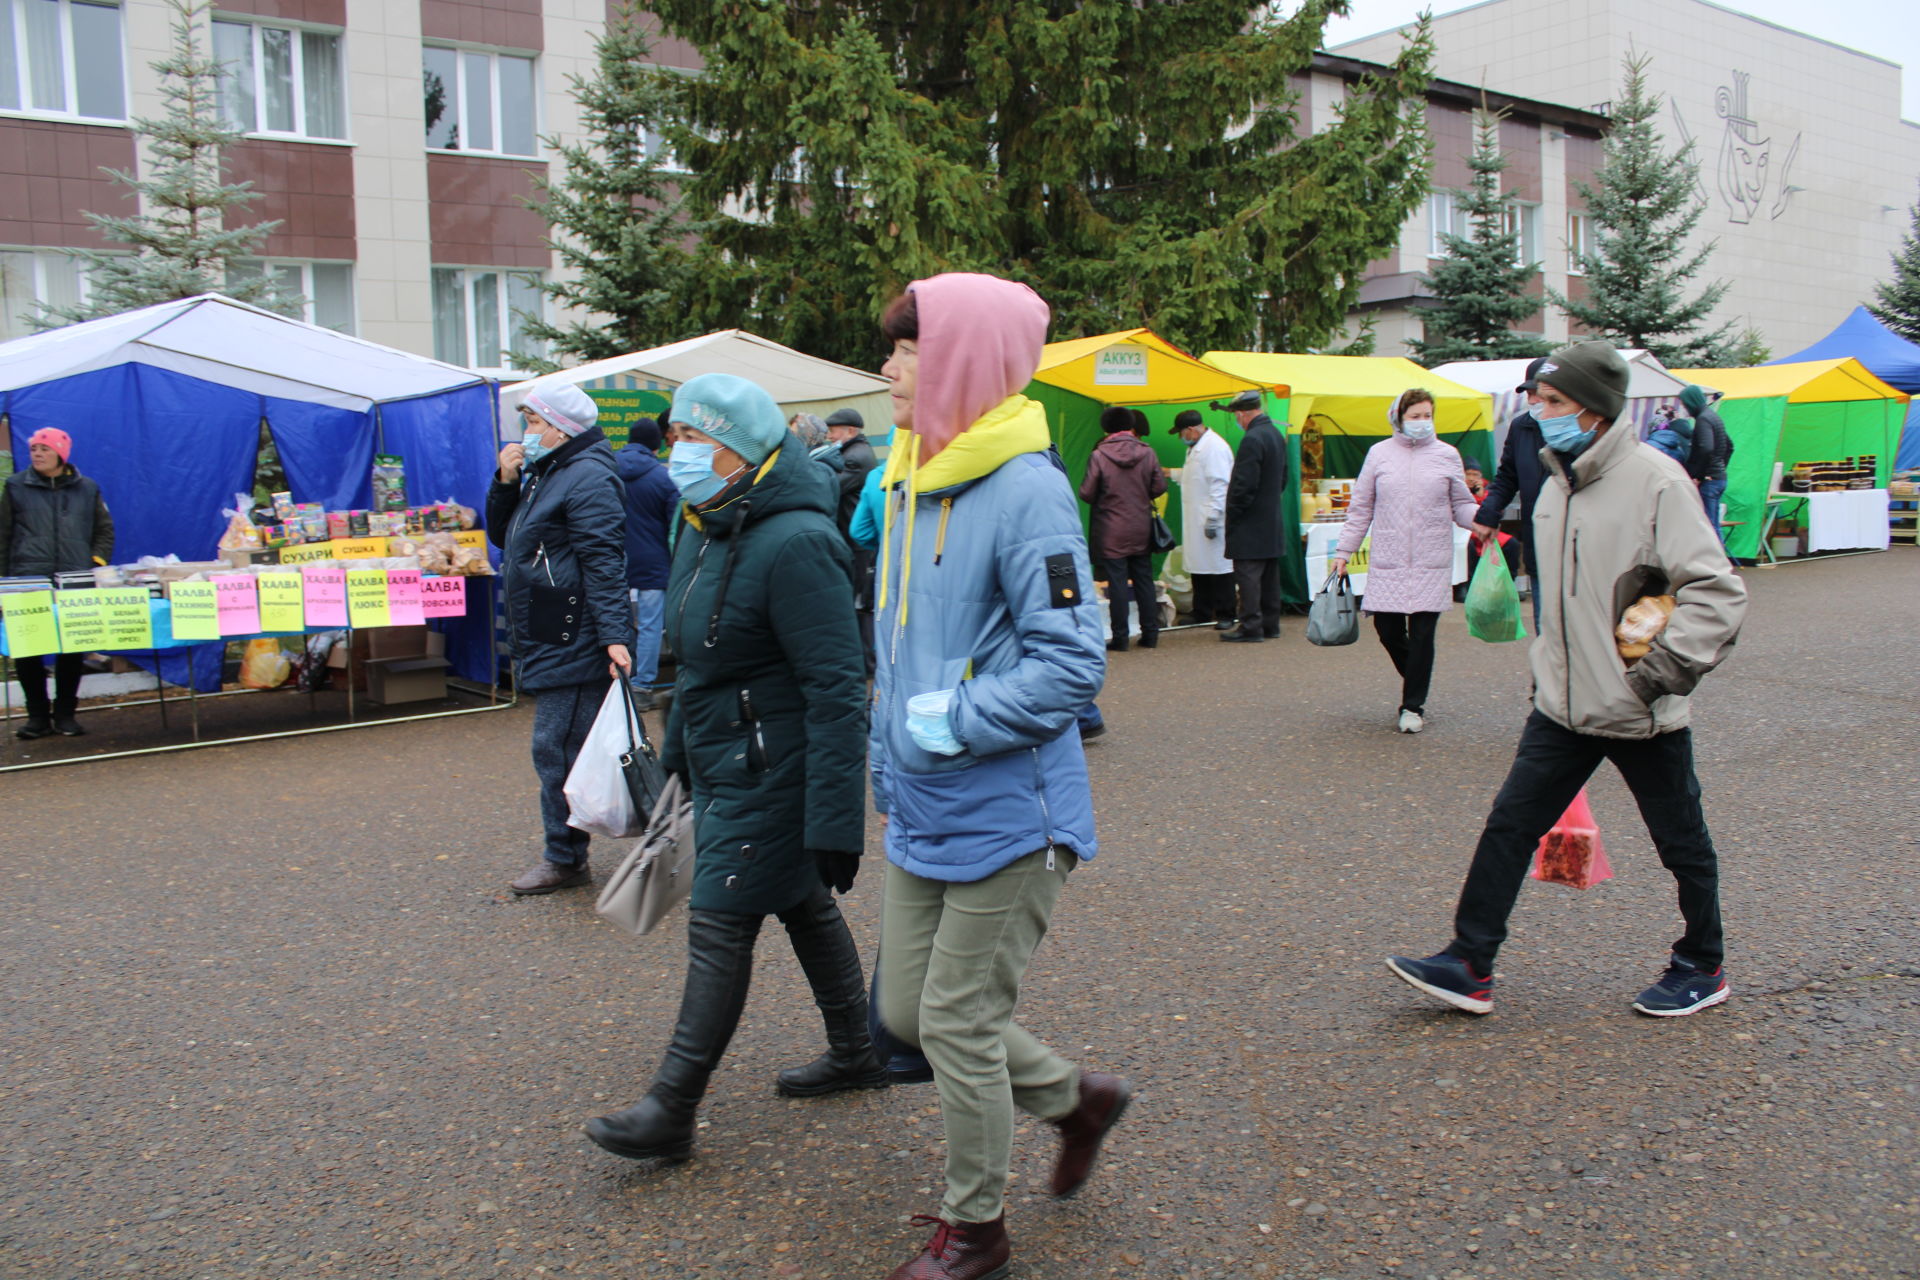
point(1789, 413)
point(1137, 368)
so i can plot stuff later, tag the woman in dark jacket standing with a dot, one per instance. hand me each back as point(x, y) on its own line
point(1123, 478)
point(558, 513)
point(52, 520)
point(768, 725)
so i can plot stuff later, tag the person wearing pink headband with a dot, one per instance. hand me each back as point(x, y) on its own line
point(52, 520)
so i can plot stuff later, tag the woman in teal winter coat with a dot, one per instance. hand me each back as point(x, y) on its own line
point(768, 727)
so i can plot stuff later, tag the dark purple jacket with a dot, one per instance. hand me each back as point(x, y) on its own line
point(1122, 480)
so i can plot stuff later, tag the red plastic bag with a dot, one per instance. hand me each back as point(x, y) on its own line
point(1571, 853)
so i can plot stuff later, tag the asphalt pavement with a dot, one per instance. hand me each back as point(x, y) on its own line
point(270, 1010)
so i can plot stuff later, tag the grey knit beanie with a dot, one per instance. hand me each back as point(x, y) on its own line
point(1592, 374)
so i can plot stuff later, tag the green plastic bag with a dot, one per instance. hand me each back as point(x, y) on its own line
point(1493, 602)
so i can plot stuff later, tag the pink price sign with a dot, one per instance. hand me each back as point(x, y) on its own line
point(237, 601)
point(403, 598)
point(443, 597)
point(325, 590)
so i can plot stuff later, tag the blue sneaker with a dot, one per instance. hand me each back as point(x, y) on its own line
point(1447, 978)
point(1683, 989)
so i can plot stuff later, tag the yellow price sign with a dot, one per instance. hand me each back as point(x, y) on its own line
point(83, 621)
point(310, 553)
point(129, 618)
point(282, 602)
point(359, 548)
point(367, 598)
point(30, 625)
point(196, 611)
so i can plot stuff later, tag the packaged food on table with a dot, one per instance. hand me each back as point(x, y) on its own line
point(357, 524)
point(241, 532)
point(338, 525)
point(389, 482)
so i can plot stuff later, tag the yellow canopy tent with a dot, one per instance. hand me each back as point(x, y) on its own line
point(1789, 413)
point(1339, 404)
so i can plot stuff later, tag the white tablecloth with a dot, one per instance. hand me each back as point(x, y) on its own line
point(1853, 519)
point(1322, 539)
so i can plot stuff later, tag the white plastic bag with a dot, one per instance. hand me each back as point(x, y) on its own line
point(597, 797)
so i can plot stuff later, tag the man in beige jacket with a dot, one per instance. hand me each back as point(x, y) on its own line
point(1616, 520)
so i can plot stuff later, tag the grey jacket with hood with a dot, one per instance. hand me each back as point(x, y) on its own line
point(1624, 521)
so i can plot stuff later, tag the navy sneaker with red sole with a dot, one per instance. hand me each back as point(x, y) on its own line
point(1446, 978)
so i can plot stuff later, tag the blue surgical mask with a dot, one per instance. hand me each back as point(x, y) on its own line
point(1417, 429)
point(690, 467)
point(1563, 434)
point(534, 448)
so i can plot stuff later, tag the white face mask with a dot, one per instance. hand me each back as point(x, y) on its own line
point(1417, 429)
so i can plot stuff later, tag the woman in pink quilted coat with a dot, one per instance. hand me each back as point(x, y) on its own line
point(1410, 494)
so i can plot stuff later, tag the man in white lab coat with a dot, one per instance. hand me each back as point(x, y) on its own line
point(1203, 507)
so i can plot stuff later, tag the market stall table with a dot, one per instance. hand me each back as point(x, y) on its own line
point(1847, 520)
point(1324, 537)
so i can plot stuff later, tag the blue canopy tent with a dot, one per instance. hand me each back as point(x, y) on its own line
point(1887, 356)
point(165, 406)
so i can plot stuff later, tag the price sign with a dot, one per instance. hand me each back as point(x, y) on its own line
point(196, 611)
point(30, 624)
point(1122, 366)
point(443, 597)
point(475, 538)
point(129, 618)
point(323, 590)
point(282, 604)
point(359, 548)
point(367, 598)
point(403, 598)
point(311, 553)
point(239, 604)
point(83, 621)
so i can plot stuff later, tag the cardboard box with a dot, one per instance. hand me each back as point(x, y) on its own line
point(241, 557)
point(403, 642)
point(394, 680)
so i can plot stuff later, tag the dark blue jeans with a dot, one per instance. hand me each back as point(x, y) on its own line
point(1711, 491)
point(561, 719)
point(1549, 769)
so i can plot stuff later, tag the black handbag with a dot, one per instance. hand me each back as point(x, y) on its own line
point(640, 763)
point(1159, 537)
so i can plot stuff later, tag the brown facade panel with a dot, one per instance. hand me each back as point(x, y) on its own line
point(1584, 155)
point(329, 13)
point(667, 51)
point(1520, 140)
point(51, 176)
point(502, 24)
point(478, 215)
point(1452, 132)
point(306, 187)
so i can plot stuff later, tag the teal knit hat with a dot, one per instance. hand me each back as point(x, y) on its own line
point(735, 412)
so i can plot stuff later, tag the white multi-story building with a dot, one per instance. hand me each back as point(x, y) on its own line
point(1807, 170)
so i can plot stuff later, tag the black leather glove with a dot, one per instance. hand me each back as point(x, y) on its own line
point(836, 869)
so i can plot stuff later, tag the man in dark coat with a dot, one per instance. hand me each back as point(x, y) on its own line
point(558, 512)
point(1254, 538)
point(769, 728)
point(52, 520)
point(1712, 450)
point(847, 429)
point(1520, 474)
point(651, 502)
point(1122, 479)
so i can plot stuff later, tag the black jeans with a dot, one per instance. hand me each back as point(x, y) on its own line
point(32, 673)
point(1550, 767)
point(1408, 640)
point(1131, 577)
point(1213, 597)
point(1259, 583)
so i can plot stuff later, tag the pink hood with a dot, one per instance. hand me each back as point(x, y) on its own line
point(980, 340)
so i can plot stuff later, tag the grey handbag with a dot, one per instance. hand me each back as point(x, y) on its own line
point(1334, 618)
point(658, 875)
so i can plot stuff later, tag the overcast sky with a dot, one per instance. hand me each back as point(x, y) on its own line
point(1888, 29)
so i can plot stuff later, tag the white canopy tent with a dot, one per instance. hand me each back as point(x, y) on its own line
point(236, 345)
point(799, 382)
point(1649, 386)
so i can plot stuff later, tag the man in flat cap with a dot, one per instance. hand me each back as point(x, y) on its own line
point(1254, 527)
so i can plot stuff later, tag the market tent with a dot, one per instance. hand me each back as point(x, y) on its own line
point(1339, 405)
point(1788, 413)
point(1886, 355)
point(1649, 385)
point(165, 406)
point(1141, 370)
point(626, 387)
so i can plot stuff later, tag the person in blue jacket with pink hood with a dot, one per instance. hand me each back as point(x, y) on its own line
point(988, 641)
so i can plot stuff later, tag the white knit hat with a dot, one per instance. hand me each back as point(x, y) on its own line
point(565, 406)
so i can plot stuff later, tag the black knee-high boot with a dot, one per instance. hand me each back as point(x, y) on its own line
point(826, 953)
point(719, 968)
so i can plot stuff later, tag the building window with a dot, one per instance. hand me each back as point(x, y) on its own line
point(1522, 221)
point(280, 80)
point(1579, 241)
point(477, 101)
point(1445, 217)
point(62, 58)
point(480, 316)
point(324, 289)
point(31, 279)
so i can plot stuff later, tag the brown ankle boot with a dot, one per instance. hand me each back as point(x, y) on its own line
point(959, 1251)
point(1103, 1098)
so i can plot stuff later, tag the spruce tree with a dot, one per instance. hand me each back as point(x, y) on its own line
point(1480, 287)
point(1644, 208)
point(181, 244)
point(616, 214)
point(1137, 163)
point(1899, 305)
